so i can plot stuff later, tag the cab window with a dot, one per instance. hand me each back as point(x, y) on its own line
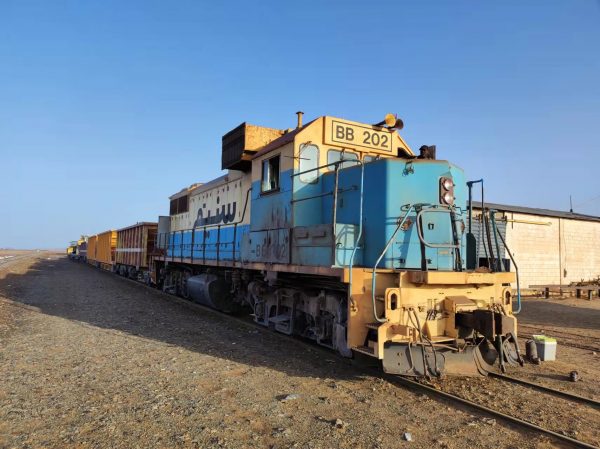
point(270, 174)
point(309, 160)
point(369, 158)
point(337, 155)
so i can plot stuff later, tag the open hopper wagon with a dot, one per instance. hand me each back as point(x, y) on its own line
point(135, 246)
point(91, 249)
point(106, 244)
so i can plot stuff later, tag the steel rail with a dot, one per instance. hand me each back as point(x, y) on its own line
point(520, 422)
point(392, 379)
point(564, 394)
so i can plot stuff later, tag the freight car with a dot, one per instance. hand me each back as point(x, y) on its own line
point(101, 250)
point(91, 250)
point(82, 248)
point(338, 232)
point(135, 246)
point(77, 249)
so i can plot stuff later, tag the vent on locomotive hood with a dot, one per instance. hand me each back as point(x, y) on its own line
point(242, 142)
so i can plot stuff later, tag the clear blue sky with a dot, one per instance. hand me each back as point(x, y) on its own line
point(108, 107)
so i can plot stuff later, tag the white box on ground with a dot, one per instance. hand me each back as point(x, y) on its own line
point(546, 347)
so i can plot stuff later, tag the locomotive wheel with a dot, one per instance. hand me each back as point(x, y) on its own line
point(167, 284)
point(183, 285)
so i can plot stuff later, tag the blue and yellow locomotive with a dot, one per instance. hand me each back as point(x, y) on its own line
point(338, 232)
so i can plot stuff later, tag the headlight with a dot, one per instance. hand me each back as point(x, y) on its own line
point(446, 191)
point(448, 198)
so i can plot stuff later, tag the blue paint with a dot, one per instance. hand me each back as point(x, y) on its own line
point(390, 184)
point(272, 210)
point(285, 230)
point(208, 243)
point(307, 208)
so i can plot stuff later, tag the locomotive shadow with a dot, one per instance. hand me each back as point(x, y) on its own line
point(79, 292)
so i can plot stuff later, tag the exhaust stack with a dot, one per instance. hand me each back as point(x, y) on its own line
point(300, 114)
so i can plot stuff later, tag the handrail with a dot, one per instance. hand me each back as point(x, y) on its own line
point(336, 185)
point(499, 264)
point(374, 273)
point(341, 161)
point(470, 202)
point(360, 231)
point(321, 195)
point(336, 164)
point(516, 312)
point(446, 209)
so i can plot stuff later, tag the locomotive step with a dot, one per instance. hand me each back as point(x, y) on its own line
point(365, 350)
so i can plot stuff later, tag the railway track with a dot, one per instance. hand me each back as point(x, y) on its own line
point(553, 391)
point(411, 384)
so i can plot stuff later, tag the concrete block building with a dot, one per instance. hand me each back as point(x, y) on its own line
point(549, 247)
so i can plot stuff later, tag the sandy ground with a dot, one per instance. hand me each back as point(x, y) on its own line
point(90, 360)
point(10, 252)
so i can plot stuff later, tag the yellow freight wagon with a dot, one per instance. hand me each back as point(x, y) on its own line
point(91, 249)
point(106, 245)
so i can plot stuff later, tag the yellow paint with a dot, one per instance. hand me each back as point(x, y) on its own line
point(286, 160)
point(399, 292)
point(106, 243)
point(318, 132)
point(91, 249)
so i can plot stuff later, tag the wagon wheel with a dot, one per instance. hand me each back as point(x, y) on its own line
point(167, 283)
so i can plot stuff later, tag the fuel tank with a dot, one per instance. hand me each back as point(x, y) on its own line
point(210, 290)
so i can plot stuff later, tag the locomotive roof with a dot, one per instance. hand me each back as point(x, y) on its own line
point(537, 211)
point(280, 141)
point(290, 135)
point(273, 145)
point(202, 186)
point(185, 191)
point(139, 223)
point(229, 177)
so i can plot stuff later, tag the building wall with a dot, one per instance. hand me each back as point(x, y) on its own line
point(552, 250)
point(580, 250)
